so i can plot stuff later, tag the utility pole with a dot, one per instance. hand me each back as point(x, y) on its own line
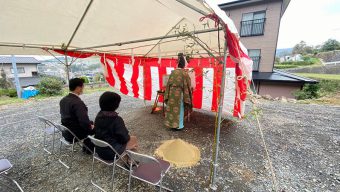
point(16, 78)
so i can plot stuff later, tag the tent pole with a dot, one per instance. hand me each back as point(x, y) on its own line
point(16, 77)
point(192, 7)
point(159, 42)
point(55, 57)
point(79, 23)
point(147, 39)
point(206, 49)
point(67, 69)
point(213, 185)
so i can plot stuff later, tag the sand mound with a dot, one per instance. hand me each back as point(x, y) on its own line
point(179, 153)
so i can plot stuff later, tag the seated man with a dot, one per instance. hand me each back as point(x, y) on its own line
point(110, 127)
point(74, 115)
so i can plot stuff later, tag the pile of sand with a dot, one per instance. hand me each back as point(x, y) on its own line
point(179, 153)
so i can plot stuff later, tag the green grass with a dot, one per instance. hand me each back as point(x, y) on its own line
point(13, 100)
point(329, 92)
point(308, 62)
point(318, 76)
point(10, 100)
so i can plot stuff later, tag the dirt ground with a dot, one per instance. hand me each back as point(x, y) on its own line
point(303, 142)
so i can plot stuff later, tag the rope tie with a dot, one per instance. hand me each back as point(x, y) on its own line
point(213, 17)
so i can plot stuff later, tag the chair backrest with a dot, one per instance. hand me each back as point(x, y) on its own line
point(63, 128)
point(138, 157)
point(101, 143)
point(46, 121)
point(98, 142)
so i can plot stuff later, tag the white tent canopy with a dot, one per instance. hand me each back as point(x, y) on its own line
point(27, 26)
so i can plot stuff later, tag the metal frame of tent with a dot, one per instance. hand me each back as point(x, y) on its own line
point(66, 49)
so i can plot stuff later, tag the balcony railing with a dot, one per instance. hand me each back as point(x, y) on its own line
point(252, 27)
point(256, 62)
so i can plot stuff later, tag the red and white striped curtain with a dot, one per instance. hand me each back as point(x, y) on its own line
point(144, 77)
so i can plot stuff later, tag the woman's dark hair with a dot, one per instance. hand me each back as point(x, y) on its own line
point(181, 60)
point(74, 83)
point(109, 101)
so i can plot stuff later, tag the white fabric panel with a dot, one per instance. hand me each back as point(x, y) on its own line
point(140, 82)
point(114, 73)
point(154, 81)
point(169, 70)
point(208, 85)
point(127, 76)
point(229, 93)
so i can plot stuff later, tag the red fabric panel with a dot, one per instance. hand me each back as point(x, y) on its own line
point(134, 78)
point(241, 93)
point(74, 53)
point(197, 95)
point(119, 66)
point(147, 82)
point(218, 71)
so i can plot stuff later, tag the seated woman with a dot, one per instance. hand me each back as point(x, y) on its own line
point(110, 127)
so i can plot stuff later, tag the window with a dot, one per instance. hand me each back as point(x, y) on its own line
point(34, 73)
point(252, 24)
point(19, 69)
point(255, 55)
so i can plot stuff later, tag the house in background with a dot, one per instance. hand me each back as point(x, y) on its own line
point(258, 23)
point(27, 70)
point(297, 57)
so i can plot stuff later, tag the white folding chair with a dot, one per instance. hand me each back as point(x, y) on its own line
point(5, 166)
point(149, 169)
point(75, 140)
point(113, 163)
point(49, 129)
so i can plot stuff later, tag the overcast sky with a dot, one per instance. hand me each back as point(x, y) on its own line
point(313, 21)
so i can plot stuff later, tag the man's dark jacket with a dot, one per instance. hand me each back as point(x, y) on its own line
point(74, 116)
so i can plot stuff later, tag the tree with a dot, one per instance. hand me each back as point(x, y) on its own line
point(4, 83)
point(50, 86)
point(331, 45)
point(302, 48)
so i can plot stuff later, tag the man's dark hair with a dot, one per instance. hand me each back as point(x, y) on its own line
point(181, 60)
point(74, 83)
point(109, 101)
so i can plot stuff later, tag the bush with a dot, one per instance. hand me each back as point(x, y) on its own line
point(8, 92)
point(12, 93)
point(309, 91)
point(98, 77)
point(50, 86)
point(86, 80)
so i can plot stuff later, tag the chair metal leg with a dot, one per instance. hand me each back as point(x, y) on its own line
point(92, 174)
point(155, 104)
point(130, 172)
point(92, 169)
point(45, 145)
point(60, 161)
point(113, 171)
point(53, 140)
point(15, 182)
point(163, 107)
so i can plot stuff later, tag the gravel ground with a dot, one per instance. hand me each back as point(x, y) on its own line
point(303, 142)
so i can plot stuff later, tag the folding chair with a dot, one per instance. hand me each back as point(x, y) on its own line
point(75, 140)
point(149, 169)
point(50, 129)
point(5, 165)
point(113, 163)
